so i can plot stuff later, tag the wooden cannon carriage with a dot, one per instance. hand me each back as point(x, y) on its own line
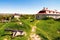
point(16, 32)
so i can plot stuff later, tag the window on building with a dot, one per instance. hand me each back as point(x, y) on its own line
point(49, 11)
point(53, 12)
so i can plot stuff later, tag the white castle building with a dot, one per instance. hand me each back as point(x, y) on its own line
point(49, 13)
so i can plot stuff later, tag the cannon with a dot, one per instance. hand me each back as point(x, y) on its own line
point(16, 32)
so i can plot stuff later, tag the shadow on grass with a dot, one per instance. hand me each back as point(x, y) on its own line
point(43, 37)
point(57, 38)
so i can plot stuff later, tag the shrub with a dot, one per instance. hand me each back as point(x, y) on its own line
point(57, 19)
point(47, 18)
point(57, 38)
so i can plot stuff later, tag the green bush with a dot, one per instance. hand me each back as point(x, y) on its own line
point(57, 38)
point(47, 18)
point(57, 19)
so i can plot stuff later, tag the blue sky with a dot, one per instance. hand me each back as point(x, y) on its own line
point(27, 6)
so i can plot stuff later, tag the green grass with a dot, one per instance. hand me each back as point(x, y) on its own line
point(46, 29)
point(15, 26)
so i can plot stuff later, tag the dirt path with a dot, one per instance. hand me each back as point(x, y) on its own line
point(33, 35)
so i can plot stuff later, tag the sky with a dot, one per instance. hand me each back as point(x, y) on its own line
point(27, 6)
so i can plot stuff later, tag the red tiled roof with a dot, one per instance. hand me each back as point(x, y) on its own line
point(44, 11)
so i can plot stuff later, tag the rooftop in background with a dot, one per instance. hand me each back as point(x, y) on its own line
point(47, 11)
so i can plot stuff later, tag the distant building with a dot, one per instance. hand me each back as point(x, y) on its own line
point(16, 15)
point(49, 13)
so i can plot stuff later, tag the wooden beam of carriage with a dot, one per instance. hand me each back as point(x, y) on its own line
point(13, 30)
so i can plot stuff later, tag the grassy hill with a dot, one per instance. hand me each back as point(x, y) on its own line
point(46, 29)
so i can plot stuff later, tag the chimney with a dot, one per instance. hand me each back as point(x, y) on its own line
point(45, 8)
point(55, 10)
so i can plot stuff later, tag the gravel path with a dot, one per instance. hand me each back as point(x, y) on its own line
point(33, 35)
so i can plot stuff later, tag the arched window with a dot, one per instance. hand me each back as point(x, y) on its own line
point(49, 11)
point(53, 12)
